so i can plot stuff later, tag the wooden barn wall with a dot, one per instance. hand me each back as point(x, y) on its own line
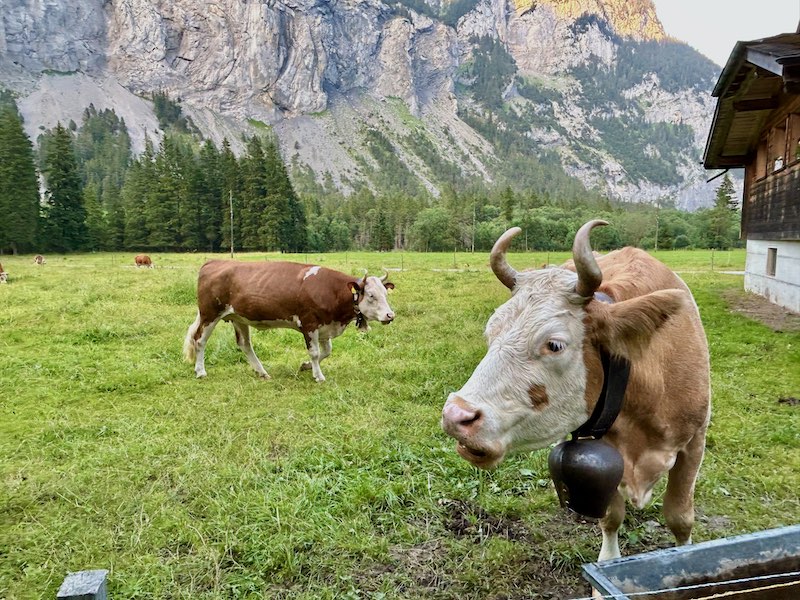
point(772, 211)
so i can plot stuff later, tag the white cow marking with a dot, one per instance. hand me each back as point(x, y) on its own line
point(311, 271)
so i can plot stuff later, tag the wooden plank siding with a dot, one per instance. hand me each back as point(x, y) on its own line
point(772, 209)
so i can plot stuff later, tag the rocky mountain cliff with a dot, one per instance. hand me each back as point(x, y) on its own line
point(446, 89)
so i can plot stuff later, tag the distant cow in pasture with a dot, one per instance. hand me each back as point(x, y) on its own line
point(549, 347)
point(316, 301)
point(39, 260)
point(3, 275)
point(142, 260)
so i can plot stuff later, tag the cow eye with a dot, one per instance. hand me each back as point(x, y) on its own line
point(556, 346)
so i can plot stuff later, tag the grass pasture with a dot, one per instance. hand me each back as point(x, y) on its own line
point(112, 455)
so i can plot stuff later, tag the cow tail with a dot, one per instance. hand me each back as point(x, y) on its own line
point(189, 348)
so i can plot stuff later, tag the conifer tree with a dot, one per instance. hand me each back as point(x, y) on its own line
point(382, 237)
point(721, 221)
point(208, 188)
point(258, 223)
point(96, 229)
point(65, 215)
point(103, 149)
point(114, 214)
point(284, 207)
point(19, 189)
point(136, 194)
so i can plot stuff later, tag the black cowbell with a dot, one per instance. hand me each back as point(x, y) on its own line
point(586, 473)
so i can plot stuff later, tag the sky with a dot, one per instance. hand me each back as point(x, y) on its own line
point(714, 26)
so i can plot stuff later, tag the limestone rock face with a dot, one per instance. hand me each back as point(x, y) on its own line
point(320, 71)
point(49, 35)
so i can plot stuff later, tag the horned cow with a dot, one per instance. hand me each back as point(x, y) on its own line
point(3, 275)
point(542, 373)
point(316, 301)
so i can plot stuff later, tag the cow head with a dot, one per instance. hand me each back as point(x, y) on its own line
point(370, 295)
point(542, 373)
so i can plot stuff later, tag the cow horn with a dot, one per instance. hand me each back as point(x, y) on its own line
point(502, 270)
point(385, 276)
point(589, 274)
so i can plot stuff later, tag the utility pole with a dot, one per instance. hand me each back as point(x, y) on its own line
point(230, 201)
point(473, 226)
point(656, 228)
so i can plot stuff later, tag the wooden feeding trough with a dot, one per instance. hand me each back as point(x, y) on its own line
point(756, 566)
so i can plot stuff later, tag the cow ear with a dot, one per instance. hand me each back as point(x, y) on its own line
point(627, 327)
point(354, 287)
point(388, 285)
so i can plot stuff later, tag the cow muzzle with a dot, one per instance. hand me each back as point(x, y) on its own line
point(387, 318)
point(465, 424)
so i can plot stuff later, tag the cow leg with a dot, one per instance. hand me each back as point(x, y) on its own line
point(200, 347)
point(609, 525)
point(243, 341)
point(325, 348)
point(201, 336)
point(679, 497)
point(314, 352)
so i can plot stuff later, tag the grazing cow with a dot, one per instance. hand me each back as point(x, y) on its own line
point(39, 260)
point(142, 260)
point(542, 374)
point(3, 275)
point(317, 302)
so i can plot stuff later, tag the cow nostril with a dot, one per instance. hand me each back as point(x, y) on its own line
point(460, 416)
point(471, 420)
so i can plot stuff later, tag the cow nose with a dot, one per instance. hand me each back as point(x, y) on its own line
point(390, 316)
point(458, 418)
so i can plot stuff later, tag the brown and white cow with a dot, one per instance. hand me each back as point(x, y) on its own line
point(542, 373)
point(3, 275)
point(142, 260)
point(39, 260)
point(316, 301)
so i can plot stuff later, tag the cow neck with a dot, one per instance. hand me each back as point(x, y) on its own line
point(616, 371)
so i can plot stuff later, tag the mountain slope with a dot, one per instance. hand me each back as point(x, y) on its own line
point(409, 95)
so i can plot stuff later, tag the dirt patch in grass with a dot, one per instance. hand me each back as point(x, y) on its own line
point(544, 564)
point(760, 309)
point(466, 520)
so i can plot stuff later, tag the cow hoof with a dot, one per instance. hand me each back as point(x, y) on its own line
point(320, 379)
point(264, 376)
point(306, 366)
point(201, 375)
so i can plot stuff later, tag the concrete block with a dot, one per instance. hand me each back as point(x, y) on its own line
point(84, 585)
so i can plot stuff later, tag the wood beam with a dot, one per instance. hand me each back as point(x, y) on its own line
point(756, 104)
point(722, 162)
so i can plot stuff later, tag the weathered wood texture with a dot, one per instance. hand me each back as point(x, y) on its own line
point(772, 210)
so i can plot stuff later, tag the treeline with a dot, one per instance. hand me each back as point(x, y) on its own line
point(81, 189)
point(179, 196)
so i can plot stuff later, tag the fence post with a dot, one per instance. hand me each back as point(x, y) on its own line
point(712, 259)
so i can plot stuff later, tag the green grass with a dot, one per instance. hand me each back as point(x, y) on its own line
point(112, 455)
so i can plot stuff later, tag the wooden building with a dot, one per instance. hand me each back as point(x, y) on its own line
point(756, 126)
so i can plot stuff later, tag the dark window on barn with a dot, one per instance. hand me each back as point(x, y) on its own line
point(772, 259)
